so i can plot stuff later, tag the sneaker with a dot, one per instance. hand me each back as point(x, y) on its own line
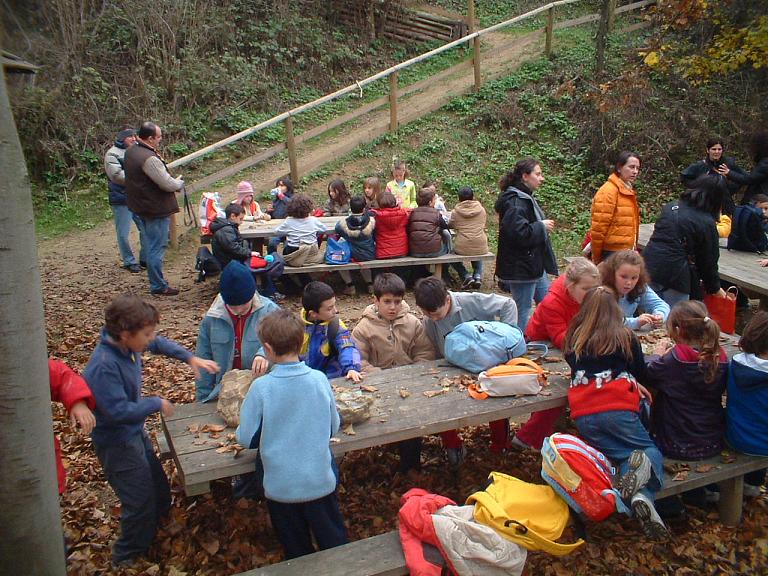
point(168, 291)
point(518, 444)
point(652, 524)
point(751, 491)
point(134, 268)
point(477, 283)
point(468, 283)
point(349, 290)
point(637, 476)
point(456, 456)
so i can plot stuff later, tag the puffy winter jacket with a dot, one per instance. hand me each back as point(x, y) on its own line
point(705, 167)
point(747, 409)
point(615, 218)
point(391, 232)
point(424, 226)
point(551, 317)
point(684, 249)
point(113, 166)
point(358, 230)
point(227, 244)
point(468, 218)
point(756, 181)
point(525, 250)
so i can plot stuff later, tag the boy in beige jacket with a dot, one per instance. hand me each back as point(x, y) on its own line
point(468, 218)
point(389, 335)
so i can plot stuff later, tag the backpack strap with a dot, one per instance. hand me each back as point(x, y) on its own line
point(189, 215)
point(526, 362)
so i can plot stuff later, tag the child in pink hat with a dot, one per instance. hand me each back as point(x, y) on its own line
point(245, 198)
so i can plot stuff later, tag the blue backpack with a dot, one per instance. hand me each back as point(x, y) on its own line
point(337, 251)
point(747, 233)
point(482, 344)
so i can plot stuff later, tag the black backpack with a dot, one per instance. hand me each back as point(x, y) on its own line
point(747, 233)
point(206, 264)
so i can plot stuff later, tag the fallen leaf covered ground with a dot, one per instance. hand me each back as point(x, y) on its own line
point(215, 534)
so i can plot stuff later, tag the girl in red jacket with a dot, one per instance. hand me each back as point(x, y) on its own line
point(391, 228)
point(550, 322)
point(607, 365)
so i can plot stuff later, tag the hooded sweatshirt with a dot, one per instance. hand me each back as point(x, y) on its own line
point(385, 344)
point(747, 410)
point(358, 229)
point(468, 218)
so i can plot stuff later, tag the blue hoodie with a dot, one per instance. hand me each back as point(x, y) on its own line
point(114, 376)
point(747, 407)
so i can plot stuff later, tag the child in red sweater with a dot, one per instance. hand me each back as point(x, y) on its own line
point(391, 227)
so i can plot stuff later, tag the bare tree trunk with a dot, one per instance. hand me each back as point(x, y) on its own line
point(30, 522)
point(602, 36)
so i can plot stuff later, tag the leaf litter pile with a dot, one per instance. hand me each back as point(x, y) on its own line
point(216, 534)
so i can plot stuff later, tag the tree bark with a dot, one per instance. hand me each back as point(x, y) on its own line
point(31, 539)
point(602, 36)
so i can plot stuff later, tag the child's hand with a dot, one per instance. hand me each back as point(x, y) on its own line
point(658, 320)
point(260, 365)
point(763, 262)
point(355, 376)
point(166, 408)
point(200, 364)
point(645, 393)
point(644, 319)
point(663, 346)
point(81, 416)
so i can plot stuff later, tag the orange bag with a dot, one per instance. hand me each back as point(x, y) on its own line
point(723, 310)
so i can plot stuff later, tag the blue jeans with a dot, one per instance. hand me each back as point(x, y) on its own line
point(123, 218)
point(154, 241)
point(669, 295)
point(273, 243)
point(524, 294)
point(461, 270)
point(139, 481)
point(616, 434)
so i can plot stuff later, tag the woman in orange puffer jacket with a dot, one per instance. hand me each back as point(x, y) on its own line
point(615, 213)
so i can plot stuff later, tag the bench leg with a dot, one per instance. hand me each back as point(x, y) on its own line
point(731, 494)
point(438, 273)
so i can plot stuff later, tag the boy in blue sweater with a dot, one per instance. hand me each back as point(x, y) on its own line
point(113, 374)
point(290, 416)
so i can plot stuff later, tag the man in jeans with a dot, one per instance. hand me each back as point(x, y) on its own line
point(151, 194)
point(113, 166)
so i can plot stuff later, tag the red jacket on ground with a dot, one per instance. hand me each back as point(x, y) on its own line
point(391, 232)
point(418, 530)
point(551, 317)
point(68, 388)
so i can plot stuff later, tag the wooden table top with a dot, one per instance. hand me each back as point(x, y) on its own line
point(266, 229)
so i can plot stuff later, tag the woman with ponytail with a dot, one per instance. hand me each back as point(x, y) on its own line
point(689, 376)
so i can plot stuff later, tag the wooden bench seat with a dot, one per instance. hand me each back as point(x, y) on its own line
point(382, 555)
point(437, 261)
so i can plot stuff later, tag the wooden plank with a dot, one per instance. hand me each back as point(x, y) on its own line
point(393, 102)
point(380, 555)
point(266, 229)
point(388, 263)
point(721, 471)
point(211, 179)
point(290, 143)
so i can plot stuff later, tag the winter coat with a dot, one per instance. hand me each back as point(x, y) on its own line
point(747, 407)
point(424, 230)
point(552, 315)
point(69, 388)
point(391, 232)
point(113, 166)
point(469, 219)
point(227, 244)
point(216, 341)
point(279, 208)
point(615, 218)
point(150, 190)
point(756, 181)
point(385, 344)
point(525, 250)
point(333, 208)
point(318, 354)
point(683, 250)
point(687, 417)
point(358, 230)
point(706, 167)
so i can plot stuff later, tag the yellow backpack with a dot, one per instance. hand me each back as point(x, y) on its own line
point(531, 515)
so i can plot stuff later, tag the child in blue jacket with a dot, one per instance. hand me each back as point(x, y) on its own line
point(113, 374)
point(290, 416)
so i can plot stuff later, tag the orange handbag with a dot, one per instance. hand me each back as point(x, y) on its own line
point(723, 310)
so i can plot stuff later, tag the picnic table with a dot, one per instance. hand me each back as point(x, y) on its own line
point(266, 229)
point(739, 268)
point(410, 402)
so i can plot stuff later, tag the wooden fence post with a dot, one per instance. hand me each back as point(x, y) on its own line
point(550, 31)
point(291, 143)
point(173, 234)
point(602, 37)
point(611, 15)
point(475, 45)
point(393, 102)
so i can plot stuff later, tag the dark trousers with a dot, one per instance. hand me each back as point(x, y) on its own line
point(296, 523)
point(410, 454)
point(138, 479)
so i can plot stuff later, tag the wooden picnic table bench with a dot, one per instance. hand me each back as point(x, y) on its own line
point(382, 555)
point(405, 261)
point(266, 228)
point(401, 410)
point(736, 267)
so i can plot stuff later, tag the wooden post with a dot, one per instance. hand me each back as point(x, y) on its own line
point(475, 45)
point(393, 102)
point(730, 503)
point(291, 143)
point(611, 15)
point(602, 38)
point(173, 232)
point(550, 31)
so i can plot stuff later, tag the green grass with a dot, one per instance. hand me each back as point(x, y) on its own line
point(81, 211)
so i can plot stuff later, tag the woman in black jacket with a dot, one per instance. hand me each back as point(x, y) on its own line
point(525, 254)
point(709, 165)
point(757, 180)
point(684, 249)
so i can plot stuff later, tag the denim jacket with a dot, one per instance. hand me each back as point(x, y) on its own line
point(216, 341)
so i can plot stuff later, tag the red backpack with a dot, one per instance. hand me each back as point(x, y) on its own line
point(581, 475)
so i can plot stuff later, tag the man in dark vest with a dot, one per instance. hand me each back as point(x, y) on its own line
point(151, 194)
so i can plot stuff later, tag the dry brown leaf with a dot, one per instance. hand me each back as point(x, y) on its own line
point(349, 430)
point(433, 393)
point(404, 393)
point(704, 468)
point(211, 546)
point(727, 457)
point(544, 392)
point(366, 388)
point(680, 476)
point(214, 428)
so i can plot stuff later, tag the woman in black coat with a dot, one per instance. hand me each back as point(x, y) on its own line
point(684, 249)
point(709, 165)
point(757, 180)
point(525, 254)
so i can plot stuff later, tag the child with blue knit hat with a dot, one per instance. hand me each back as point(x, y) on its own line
point(290, 416)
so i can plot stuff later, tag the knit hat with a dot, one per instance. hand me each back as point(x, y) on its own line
point(244, 189)
point(123, 134)
point(236, 285)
